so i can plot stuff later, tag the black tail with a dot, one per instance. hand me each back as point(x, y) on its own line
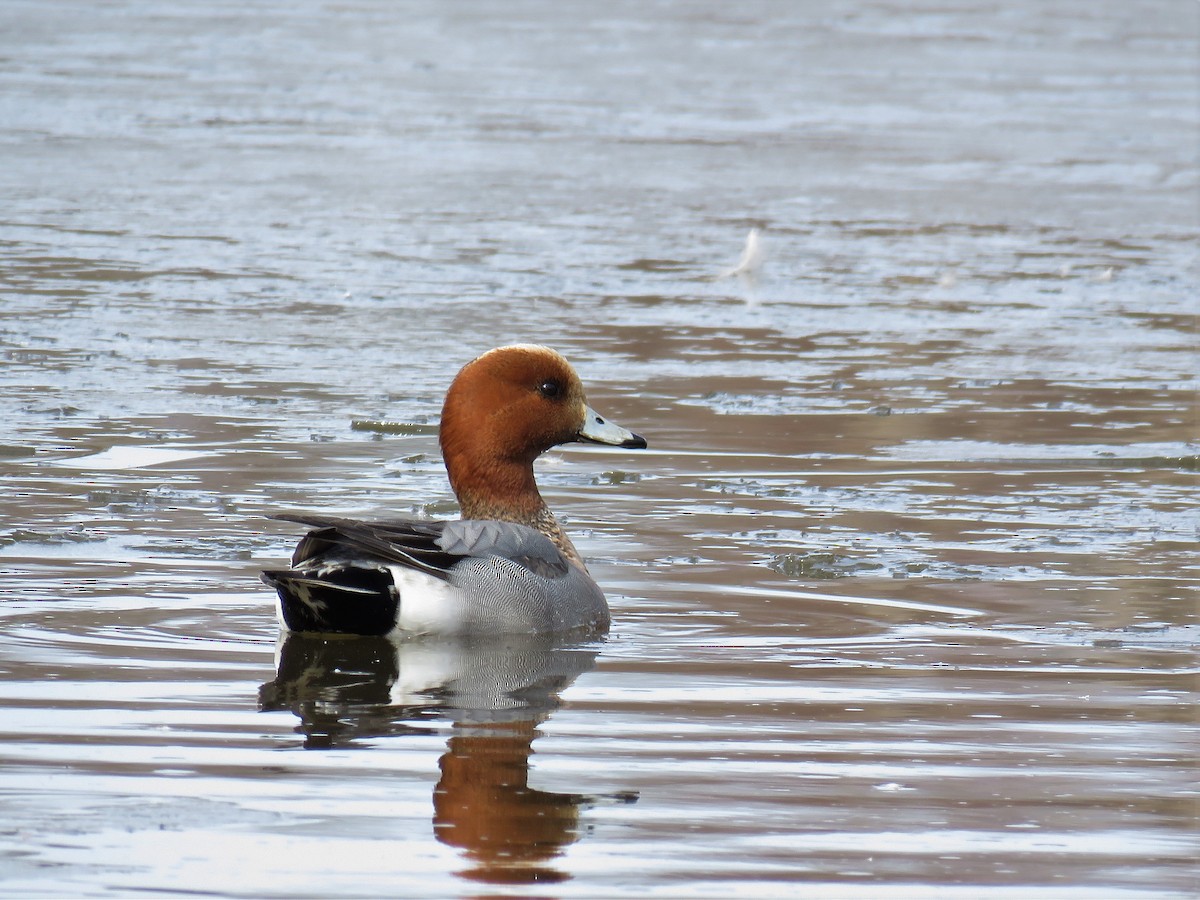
point(342, 600)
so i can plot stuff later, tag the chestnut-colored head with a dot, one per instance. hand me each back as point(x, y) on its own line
point(504, 409)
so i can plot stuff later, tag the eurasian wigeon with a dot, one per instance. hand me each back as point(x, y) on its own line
point(507, 566)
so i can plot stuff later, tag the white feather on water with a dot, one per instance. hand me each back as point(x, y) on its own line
point(751, 259)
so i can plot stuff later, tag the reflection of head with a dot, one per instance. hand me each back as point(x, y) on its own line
point(483, 805)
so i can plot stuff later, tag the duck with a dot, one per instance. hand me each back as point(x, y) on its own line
point(506, 566)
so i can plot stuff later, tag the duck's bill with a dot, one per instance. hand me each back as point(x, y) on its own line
point(598, 430)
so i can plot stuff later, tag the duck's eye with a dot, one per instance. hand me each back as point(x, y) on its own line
point(550, 389)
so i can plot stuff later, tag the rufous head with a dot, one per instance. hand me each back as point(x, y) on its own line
point(507, 407)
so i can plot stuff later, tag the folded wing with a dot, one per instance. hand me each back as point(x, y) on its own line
point(350, 576)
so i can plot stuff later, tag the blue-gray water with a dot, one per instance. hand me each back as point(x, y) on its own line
point(904, 592)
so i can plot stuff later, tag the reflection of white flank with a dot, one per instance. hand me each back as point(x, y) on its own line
point(423, 669)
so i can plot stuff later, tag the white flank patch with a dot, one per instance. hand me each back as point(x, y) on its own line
point(428, 605)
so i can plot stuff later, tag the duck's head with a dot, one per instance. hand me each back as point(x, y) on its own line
point(507, 407)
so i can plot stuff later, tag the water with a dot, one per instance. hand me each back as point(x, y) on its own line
point(904, 592)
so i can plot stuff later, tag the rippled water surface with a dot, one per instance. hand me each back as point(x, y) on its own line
point(904, 592)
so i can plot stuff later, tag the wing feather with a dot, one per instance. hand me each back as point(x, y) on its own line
point(434, 547)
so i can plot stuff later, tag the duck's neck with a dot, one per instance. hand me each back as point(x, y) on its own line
point(507, 492)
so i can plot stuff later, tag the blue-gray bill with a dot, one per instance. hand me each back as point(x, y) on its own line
point(598, 430)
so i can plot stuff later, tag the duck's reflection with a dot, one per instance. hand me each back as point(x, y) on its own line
point(496, 692)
